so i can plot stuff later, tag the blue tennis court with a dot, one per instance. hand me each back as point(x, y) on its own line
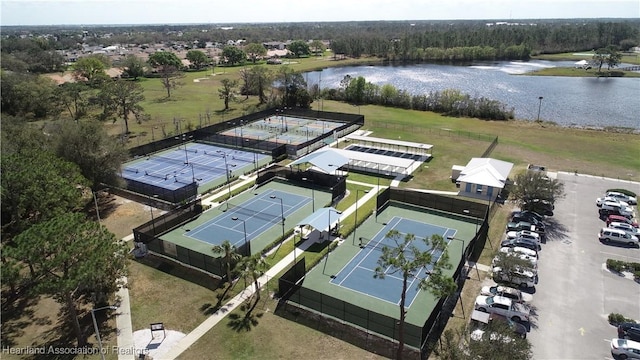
point(357, 274)
point(259, 214)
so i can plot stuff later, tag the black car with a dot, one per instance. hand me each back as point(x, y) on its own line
point(629, 331)
point(524, 216)
point(531, 214)
point(520, 242)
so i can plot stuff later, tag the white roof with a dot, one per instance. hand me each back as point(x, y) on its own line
point(486, 171)
point(390, 141)
point(375, 158)
point(582, 62)
point(328, 160)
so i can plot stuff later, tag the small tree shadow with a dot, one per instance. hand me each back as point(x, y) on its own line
point(245, 323)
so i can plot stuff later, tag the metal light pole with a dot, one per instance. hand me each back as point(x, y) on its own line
point(464, 267)
point(226, 166)
point(281, 211)
point(539, 106)
point(355, 223)
point(95, 201)
point(244, 228)
point(184, 143)
point(95, 326)
point(329, 237)
point(313, 197)
point(468, 212)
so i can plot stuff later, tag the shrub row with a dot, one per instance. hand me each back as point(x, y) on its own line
point(620, 266)
point(615, 319)
point(624, 191)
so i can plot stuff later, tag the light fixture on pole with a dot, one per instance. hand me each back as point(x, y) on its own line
point(539, 106)
point(281, 211)
point(184, 143)
point(244, 228)
point(95, 326)
point(355, 223)
point(313, 197)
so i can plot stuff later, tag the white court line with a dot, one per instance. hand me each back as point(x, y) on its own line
point(365, 256)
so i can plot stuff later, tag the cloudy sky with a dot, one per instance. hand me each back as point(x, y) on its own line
point(54, 12)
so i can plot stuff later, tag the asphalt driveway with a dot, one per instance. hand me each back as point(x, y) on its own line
point(575, 292)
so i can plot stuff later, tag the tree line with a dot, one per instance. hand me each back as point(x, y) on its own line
point(449, 102)
point(393, 40)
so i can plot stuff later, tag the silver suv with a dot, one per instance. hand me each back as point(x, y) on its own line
point(629, 229)
point(620, 236)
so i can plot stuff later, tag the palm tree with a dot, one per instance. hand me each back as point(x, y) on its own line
point(252, 267)
point(230, 256)
point(406, 260)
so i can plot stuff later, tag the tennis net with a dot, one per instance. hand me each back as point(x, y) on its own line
point(249, 213)
point(380, 245)
point(158, 176)
point(195, 165)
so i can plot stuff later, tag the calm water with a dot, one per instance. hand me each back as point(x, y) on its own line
point(567, 101)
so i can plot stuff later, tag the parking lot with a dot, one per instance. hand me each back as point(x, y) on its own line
point(575, 292)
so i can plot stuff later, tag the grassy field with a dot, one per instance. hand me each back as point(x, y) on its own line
point(628, 58)
point(573, 72)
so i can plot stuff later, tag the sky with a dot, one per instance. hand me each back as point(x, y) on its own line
point(111, 12)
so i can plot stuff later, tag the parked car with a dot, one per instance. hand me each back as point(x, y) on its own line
point(614, 208)
point(520, 242)
point(631, 200)
point(526, 234)
point(531, 214)
point(528, 253)
point(532, 261)
point(518, 225)
point(528, 217)
point(622, 219)
point(508, 292)
point(629, 331)
point(488, 322)
point(604, 199)
point(502, 306)
point(628, 228)
point(614, 235)
point(625, 349)
point(522, 278)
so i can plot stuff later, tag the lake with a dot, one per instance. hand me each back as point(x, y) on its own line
point(567, 101)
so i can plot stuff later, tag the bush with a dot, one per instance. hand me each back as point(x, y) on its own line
point(624, 191)
point(615, 265)
point(615, 319)
point(636, 275)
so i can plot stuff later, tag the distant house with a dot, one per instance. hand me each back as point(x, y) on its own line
point(483, 178)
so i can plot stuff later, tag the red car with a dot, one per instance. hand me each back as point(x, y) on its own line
point(622, 219)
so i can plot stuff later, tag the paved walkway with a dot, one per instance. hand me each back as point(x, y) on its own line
point(123, 319)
